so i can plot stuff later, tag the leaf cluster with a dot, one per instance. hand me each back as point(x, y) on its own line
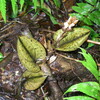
point(90, 89)
point(88, 12)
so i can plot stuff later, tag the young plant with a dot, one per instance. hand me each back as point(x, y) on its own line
point(90, 89)
point(88, 12)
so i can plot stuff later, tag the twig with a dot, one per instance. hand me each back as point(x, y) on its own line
point(6, 35)
point(67, 57)
point(94, 42)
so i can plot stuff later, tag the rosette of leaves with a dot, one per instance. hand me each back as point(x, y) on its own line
point(70, 40)
point(29, 52)
point(88, 12)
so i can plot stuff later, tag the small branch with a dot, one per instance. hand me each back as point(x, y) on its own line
point(94, 42)
point(67, 57)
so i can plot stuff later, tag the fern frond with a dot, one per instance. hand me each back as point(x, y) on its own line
point(21, 4)
point(35, 2)
point(3, 9)
point(14, 7)
point(57, 3)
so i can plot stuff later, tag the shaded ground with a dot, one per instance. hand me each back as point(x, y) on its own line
point(65, 71)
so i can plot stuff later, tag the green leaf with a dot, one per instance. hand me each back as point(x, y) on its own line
point(57, 3)
point(87, 21)
point(1, 56)
point(77, 9)
point(98, 6)
point(89, 63)
point(72, 40)
point(42, 3)
point(21, 4)
point(93, 2)
point(14, 7)
point(88, 88)
point(79, 98)
point(82, 18)
point(3, 9)
point(83, 8)
point(94, 16)
point(35, 2)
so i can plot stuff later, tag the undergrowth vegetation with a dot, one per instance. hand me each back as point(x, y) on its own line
point(21, 5)
point(88, 13)
point(90, 89)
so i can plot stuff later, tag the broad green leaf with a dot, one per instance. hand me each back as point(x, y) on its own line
point(35, 49)
point(26, 59)
point(93, 2)
point(89, 63)
point(3, 9)
point(35, 83)
point(77, 9)
point(72, 40)
point(79, 98)
point(89, 88)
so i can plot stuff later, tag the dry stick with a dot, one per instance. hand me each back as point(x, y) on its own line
point(71, 58)
point(5, 35)
point(67, 57)
point(94, 42)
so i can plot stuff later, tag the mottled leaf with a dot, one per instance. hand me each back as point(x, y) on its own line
point(29, 51)
point(72, 40)
point(26, 59)
point(33, 47)
point(29, 74)
point(33, 84)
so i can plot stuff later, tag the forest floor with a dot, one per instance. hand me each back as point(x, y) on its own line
point(65, 70)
